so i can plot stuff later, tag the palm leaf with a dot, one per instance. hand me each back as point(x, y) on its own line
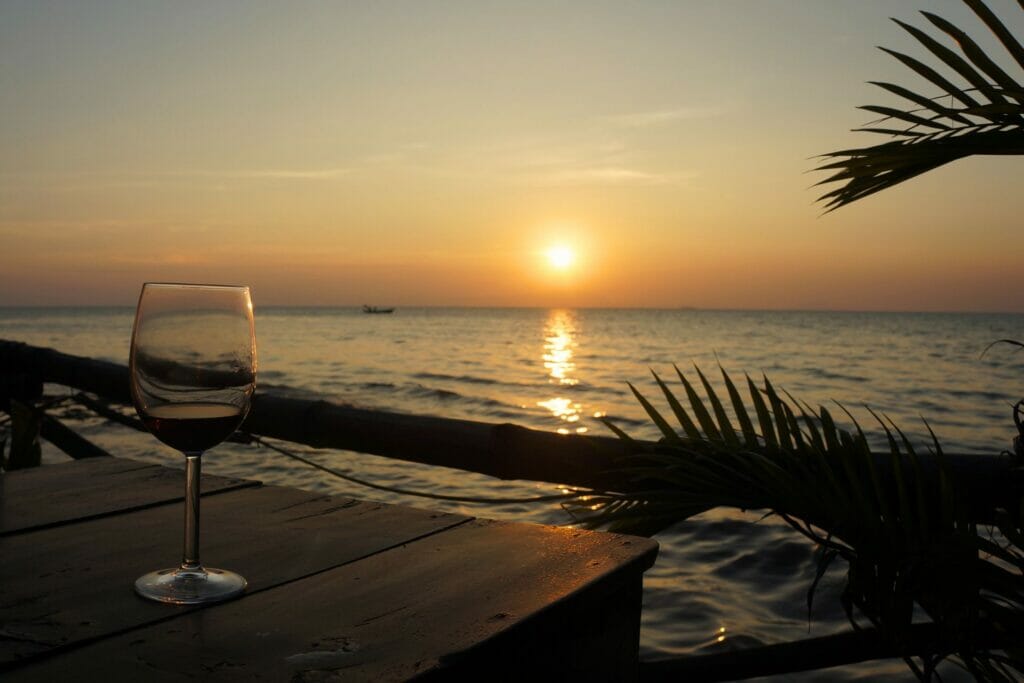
point(955, 62)
point(764, 418)
point(746, 426)
point(701, 412)
point(725, 427)
point(924, 102)
point(689, 428)
point(666, 430)
point(933, 76)
point(909, 117)
point(782, 425)
point(832, 434)
point(986, 117)
point(905, 540)
point(882, 131)
point(615, 429)
point(976, 55)
point(999, 29)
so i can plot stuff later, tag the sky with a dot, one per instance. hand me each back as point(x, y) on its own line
point(435, 153)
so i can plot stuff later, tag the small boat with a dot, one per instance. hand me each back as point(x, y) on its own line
point(376, 309)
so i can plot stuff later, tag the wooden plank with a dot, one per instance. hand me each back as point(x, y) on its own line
point(838, 649)
point(481, 601)
point(504, 451)
point(69, 441)
point(69, 492)
point(68, 584)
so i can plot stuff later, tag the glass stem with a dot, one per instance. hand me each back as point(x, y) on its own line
point(190, 555)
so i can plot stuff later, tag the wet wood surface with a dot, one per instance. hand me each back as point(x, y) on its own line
point(339, 589)
point(45, 496)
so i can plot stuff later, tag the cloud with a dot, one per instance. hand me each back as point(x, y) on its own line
point(586, 156)
point(614, 175)
point(658, 117)
point(148, 180)
point(281, 173)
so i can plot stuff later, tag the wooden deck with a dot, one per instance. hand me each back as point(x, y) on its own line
point(339, 589)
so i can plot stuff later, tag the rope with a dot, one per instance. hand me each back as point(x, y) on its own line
point(261, 441)
point(247, 438)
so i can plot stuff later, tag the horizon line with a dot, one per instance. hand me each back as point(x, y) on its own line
point(682, 309)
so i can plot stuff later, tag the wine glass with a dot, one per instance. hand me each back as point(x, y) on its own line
point(193, 372)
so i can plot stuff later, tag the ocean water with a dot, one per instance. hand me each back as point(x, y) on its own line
point(724, 580)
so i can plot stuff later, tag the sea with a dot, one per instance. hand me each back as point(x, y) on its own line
point(724, 580)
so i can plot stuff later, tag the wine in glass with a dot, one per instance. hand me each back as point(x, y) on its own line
point(193, 372)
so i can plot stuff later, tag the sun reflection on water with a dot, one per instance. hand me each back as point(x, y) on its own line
point(559, 350)
point(559, 346)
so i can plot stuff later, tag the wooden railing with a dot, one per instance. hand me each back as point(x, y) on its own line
point(504, 451)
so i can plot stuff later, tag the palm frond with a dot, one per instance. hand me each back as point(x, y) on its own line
point(746, 425)
point(895, 516)
point(983, 117)
point(701, 412)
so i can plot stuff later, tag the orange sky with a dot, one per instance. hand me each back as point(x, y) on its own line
point(430, 154)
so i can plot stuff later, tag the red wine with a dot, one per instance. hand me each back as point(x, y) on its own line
point(192, 427)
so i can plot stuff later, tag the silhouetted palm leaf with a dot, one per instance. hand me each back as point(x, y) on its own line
point(983, 117)
point(895, 517)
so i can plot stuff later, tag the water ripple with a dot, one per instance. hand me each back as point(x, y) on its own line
point(724, 580)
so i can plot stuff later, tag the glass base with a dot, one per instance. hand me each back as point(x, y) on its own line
point(186, 586)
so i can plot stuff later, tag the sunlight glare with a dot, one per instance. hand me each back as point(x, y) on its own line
point(560, 257)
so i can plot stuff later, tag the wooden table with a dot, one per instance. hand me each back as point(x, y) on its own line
point(339, 589)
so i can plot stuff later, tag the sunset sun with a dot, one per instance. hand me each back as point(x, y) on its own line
point(560, 257)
